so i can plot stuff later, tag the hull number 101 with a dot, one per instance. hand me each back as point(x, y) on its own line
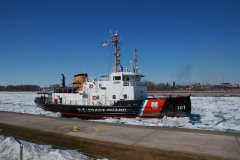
point(181, 108)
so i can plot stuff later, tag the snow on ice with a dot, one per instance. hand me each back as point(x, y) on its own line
point(217, 113)
point(10, 149)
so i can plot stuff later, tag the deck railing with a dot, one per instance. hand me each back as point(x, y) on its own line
point(132, 83)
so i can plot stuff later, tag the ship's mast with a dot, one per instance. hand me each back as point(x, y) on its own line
point(135, 57)
point(115, 41)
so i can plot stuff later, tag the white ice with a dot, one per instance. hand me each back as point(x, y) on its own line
point(217, 113)
point(22, 102)
point(10, 150)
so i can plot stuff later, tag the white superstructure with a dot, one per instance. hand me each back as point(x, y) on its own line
point(120, 85)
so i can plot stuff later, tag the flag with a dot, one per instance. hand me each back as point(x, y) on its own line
point(105, 44)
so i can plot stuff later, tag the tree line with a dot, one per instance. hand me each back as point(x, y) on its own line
point(20, 88)
point(151, 86)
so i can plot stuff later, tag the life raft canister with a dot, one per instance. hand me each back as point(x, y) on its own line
point(94, 97)
point(90, 85)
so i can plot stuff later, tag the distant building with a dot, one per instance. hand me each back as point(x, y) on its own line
point(236, 86)
point(196, 87)
point(226, 85)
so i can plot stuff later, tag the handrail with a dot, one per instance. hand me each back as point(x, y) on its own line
point(132, 83)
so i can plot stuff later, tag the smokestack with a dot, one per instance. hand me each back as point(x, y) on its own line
point(63, 81)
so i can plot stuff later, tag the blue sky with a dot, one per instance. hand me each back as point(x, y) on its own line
point(182, 41)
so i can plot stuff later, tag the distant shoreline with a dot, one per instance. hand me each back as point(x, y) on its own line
point(234, 93)
point(207, 93)
point(26, 87)
point(18, 91)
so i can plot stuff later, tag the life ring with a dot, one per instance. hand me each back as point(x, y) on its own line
point(94, 97)
point(90, 85)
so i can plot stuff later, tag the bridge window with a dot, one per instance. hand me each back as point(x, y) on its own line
point(113, 96)
point(117, 78)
